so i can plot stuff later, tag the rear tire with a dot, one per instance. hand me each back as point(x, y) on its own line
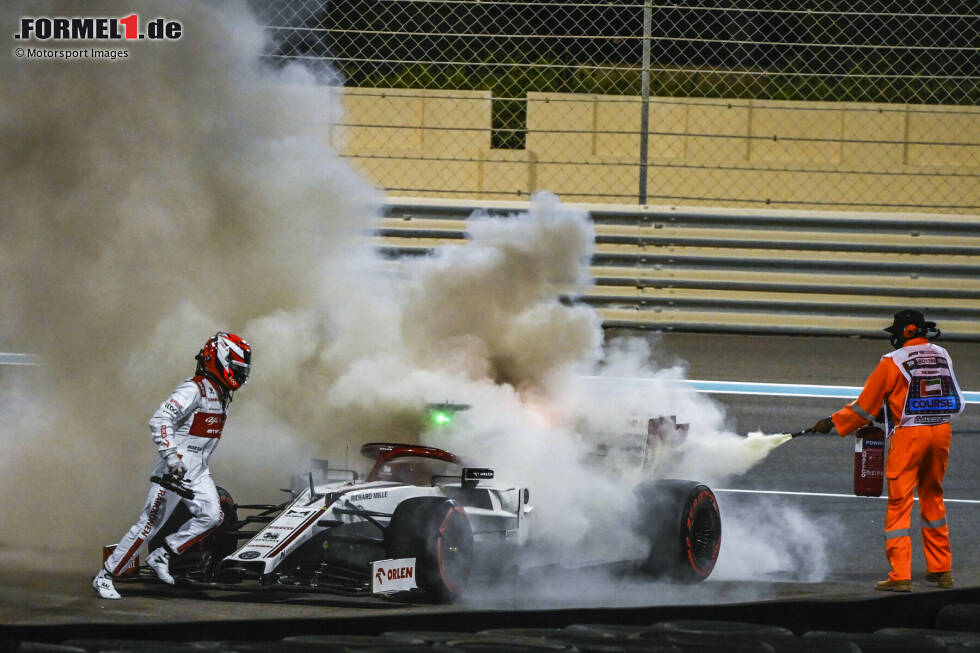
point(436, 532)
point(682, 522)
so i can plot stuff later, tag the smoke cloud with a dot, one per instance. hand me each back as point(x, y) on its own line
point(147, 203)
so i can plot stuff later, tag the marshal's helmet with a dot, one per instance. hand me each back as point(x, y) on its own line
point(227, 359)
point(910, 324)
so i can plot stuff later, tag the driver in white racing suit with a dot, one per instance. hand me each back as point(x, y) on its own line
point(186, 429)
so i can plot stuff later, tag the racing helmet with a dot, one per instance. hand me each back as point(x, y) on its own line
point(227, 359)
point(909, 324)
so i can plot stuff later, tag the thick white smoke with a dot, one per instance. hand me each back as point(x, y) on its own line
point(774, 540)
point(149, 202)
point(146, 203)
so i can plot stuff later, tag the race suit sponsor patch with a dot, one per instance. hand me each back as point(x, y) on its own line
point(173, 407)
point(207, 425)
point(159, 502)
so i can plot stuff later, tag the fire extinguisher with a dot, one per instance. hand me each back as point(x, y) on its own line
point(869, 461)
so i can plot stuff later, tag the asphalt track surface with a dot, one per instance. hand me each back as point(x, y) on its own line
point(804, 474)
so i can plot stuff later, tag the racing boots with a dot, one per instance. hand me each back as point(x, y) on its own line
point(159, 561)
point(103, 585)
point(943, 579)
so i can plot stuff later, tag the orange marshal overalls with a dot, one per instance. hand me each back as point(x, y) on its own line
point(917, 457)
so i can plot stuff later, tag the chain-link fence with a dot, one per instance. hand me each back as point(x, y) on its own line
point(831, 104)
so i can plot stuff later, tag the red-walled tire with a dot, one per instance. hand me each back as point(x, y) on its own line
point(682, 522)
point(436, 532)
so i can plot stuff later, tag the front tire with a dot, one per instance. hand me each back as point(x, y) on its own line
point(201, 559)
point(682, 523)
point(436, 532)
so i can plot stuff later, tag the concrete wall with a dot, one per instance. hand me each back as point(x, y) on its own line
point(585, 148)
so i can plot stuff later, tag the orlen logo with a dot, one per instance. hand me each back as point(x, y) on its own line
point(212, 420)
point(89, 28)
point(395, 573)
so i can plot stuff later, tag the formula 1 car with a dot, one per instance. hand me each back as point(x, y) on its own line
point(419, 523)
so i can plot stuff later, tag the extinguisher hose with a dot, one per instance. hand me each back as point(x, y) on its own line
point(805, 431)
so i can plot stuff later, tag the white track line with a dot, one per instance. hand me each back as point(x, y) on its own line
point(793, 390)
point(828, 494)
point(17, 359)
point(765, 389)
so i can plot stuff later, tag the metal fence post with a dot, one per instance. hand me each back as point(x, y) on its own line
point(645, 104)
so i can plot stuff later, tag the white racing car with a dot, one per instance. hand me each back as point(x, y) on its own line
point(422, 523)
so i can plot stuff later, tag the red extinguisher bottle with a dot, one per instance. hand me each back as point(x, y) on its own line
point(869, 461)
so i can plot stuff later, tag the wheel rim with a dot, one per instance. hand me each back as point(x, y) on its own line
point(704, 537)
point(454, 549)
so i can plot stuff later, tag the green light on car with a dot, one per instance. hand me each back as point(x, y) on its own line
point(443, 414)
point(440, 417)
